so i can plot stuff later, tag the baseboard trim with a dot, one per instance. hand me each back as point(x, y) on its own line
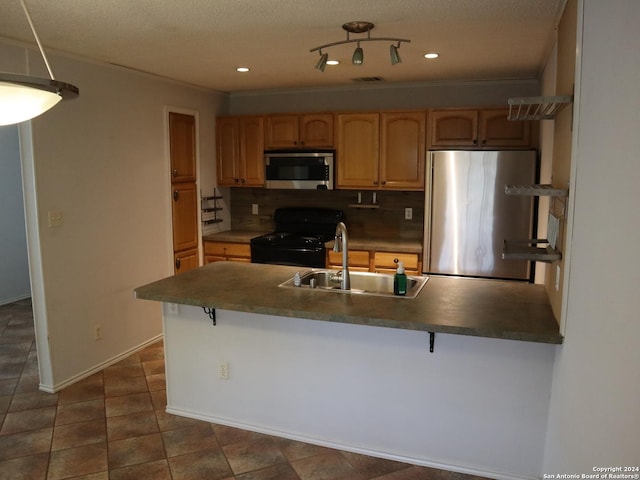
point(423, 462)
point(101, 366)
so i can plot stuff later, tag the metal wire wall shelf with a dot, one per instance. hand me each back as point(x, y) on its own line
point(210, 208)
point(537, 108)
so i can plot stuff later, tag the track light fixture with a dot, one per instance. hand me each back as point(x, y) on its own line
point(23, 97)
point(358, 54)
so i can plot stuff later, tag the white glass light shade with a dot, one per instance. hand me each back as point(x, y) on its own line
point(23, 97)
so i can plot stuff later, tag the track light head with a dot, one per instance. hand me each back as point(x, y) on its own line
point(358, 56)
point(322, 62)
point(395, 55)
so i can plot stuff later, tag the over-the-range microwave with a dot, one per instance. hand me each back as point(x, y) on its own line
point(300, 169)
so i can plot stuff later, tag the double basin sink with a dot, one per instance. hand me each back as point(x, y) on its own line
point(362, 283)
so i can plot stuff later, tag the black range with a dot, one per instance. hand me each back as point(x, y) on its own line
point(299, 238)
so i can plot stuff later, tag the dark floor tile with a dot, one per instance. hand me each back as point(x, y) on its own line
point(117, 386)
point(25, 443)
point(329, 466)
point(5, 401)
point(132, 451)
point(28, 383)
point(79, 434)
point(247, 456)
point(203, 465)
point(8, 387)
point(168, 421)
point(15, 348)
point(153, 352)
point(228, 435)
point(80, 412)
point(295, 450)
point(31, 365)
point(371, 467)
point(159, 399)
point(156, 382)
point(33, 467)
point(28, 420)
point(11, 366)
point(29, 401)
point(188, 440)
point(133, 359)
point(137, 402)
point(74, 462)
point(89, 388)
point(158, 470)
point(124, 371)
point(283, 471)
point(131, 425)
point(153, 367)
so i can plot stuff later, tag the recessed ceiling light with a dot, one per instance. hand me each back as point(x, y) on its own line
point(332, 62)
point(431, 55)
point(242, 69)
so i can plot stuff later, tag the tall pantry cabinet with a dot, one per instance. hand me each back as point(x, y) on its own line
point(182, 148)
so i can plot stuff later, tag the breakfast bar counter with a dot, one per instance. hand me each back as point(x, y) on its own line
point(462, 306)
point(356, 372)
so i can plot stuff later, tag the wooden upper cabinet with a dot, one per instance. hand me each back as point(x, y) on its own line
point(484, 128)
point(182, 141)
point(306, 130)
point(252, 152)
point(240, 151)
point(402, 150)
point(454, 128)
point(497, 131)
point(358, 150)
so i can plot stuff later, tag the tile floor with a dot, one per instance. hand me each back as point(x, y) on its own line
point(113, 425)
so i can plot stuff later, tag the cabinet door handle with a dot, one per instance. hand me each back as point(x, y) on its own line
point(174, 172)
point(375, 182)
point(475, 141)
point(175, 195)
point(178, 264)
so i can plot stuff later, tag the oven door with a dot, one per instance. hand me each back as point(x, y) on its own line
point(302, 257)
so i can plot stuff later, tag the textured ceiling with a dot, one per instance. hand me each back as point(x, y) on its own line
point(201, 42)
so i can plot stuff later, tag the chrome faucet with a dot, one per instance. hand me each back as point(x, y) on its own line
point(341, 244)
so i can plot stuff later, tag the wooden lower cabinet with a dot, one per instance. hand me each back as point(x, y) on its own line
point(358, 260)
point(379, 262)
point(185, 260)
point(221, 251)
point(384, 262)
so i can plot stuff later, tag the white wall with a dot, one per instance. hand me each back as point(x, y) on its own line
point(101, 160)
point(14, 264)
point(595, 402)
point(474, 405)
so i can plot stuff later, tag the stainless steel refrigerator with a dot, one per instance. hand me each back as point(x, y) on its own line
point(468, 216)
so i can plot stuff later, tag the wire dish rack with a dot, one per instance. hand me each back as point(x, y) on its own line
point(537, 108)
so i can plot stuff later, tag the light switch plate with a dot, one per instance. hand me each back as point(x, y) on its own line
point(408, 213)
point(55, 218)
point(254, 209)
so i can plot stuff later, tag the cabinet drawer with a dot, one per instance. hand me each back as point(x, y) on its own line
point(385, 260)
point(227, 249)
point(357, 258)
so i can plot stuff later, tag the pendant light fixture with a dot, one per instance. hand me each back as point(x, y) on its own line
point(23, 97)
point(358, 54)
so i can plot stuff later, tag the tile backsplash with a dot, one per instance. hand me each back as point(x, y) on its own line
point(387, 221)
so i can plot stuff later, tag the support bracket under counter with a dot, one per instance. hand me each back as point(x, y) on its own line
point(211, 312)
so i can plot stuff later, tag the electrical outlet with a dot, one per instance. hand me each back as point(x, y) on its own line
point(98, 332)
point(254, 209)
point(408, 213)
point(55, 219)
point(223, 370)
point(172, 308)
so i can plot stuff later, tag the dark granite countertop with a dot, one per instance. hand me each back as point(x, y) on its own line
point(463, 306)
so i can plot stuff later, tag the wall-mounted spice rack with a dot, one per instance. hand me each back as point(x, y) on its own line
point(210, 208)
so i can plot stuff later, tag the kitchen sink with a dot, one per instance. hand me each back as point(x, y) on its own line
point(362, 283)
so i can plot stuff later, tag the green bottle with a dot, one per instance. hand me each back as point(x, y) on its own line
point(400, 281)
